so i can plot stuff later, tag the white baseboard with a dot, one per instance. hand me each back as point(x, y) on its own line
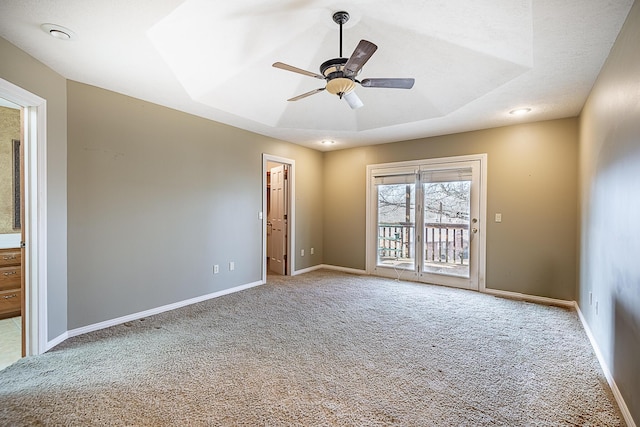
point(57, 340)
point(344, 269)
point(307, 270)
point(530, 298)
point(153, 311)
point(607, 373)
point(329, 267)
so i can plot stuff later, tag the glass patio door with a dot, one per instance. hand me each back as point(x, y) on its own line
point(450, 224)
point(396, 219)
point(425, 218)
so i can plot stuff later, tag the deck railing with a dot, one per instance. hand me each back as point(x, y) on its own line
point(445, 243)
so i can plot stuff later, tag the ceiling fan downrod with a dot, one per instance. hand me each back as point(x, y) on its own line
point(341, 18)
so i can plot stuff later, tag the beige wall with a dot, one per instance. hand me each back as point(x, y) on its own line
point(9, 130)
point(157, 197)
point(24, 71)
point(610, 202)
point(532, 181)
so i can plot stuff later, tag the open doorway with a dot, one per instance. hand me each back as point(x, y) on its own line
point(278, 188)
point(11, 208)
point(32, 240)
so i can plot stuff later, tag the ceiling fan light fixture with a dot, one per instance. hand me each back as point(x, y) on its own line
point(340, 86)
point(353, 100)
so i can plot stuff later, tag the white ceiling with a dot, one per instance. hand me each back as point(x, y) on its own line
point(473, 61)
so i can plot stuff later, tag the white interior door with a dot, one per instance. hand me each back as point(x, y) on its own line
point(278, 221)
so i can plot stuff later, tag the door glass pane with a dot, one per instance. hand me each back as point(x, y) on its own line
point(447, 197)
point(396, 225)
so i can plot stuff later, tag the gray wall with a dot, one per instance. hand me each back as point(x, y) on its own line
point(532, 181)
point(24, 71)
point(610, 202)
point(157, 197)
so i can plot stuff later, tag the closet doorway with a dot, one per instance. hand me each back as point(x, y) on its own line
point(278, 208)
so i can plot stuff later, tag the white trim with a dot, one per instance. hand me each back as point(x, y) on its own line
point(330, 267)
point(345, 269)
point(308, 270)
point(432, 161)
point(157, 310)
point(35, 213)
point(482, 258)
point(291, 221)
point(607, 373)
point(57, 340)
point(530, 298)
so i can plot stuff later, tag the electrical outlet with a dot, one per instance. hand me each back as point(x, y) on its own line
point(232, 266)
point(216, 269)
point(498, 217)
point(302, 252)
point(311, 251)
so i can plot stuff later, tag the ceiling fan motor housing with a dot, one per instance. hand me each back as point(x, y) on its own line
point(337, 82)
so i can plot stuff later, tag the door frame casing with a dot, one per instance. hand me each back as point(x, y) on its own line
point(34, 126)
point(370, 235)
point(291, 200)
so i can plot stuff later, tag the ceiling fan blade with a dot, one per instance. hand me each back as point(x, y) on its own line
point(389, 83)
point(297, 70)
point(353, 100)
point(359, 57)
point(304, 95)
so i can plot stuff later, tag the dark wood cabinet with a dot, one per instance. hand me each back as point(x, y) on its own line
point(10, 278)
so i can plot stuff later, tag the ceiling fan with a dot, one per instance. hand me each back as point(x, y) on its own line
point(340, 73)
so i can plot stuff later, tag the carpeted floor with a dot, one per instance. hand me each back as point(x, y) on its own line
point(322, 349)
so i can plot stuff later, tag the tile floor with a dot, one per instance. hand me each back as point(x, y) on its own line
point(10, 341)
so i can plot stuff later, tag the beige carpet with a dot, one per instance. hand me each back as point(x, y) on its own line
point(322, 349)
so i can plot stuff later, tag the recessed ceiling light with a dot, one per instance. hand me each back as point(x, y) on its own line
point(328, 142)
point(57, 31)
point(520, 111)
